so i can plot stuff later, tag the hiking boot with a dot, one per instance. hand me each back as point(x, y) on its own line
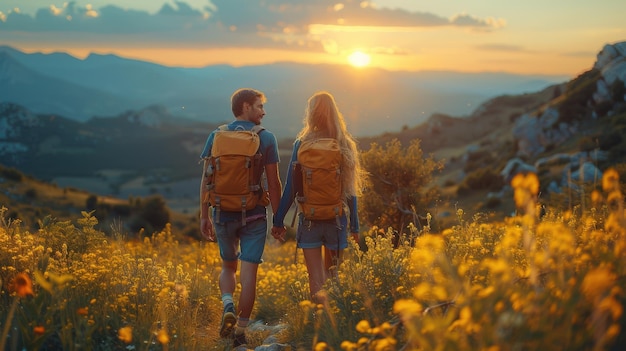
point(239, 339)
point(229, 321)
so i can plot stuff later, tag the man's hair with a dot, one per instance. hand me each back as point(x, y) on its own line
point(242, 96)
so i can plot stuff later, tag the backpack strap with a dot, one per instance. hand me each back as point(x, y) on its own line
point(257, 128)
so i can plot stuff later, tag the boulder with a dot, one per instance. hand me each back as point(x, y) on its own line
point(515, 166)
point(534, 133)
point(586, 173)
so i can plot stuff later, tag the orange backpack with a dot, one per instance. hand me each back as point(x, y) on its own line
point(317, 179)
point(232, 174)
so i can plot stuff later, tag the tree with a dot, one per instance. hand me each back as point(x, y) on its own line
point(152, 214)
point(396, 190)
point(91, 203)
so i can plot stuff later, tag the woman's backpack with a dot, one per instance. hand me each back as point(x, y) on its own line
point(317, 179)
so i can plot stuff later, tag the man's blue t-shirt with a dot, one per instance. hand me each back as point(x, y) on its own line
point(269, 155)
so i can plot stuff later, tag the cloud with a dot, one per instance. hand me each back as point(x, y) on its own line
point(226, 23)
point(487, 24)
point(500, 47)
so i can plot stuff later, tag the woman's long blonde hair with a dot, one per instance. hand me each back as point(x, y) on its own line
point(322, 119)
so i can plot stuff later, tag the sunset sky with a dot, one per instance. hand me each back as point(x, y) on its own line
point(559, 37)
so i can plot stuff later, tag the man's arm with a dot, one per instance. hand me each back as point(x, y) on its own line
point(206, 224)
point(274, 185)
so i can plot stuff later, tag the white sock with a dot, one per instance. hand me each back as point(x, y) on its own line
point(242, 323)
point(227, 298)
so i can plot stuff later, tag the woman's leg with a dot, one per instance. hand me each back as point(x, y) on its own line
point(332, 260)
point(315, 268)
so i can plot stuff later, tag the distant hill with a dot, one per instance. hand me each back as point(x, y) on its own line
point(373, 100)
point(28, 87)
point(49, 146)
point(443, 132)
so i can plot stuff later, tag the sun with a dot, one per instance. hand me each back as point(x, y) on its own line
point(359, 59)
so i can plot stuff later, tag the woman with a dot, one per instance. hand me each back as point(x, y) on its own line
point(322, 120)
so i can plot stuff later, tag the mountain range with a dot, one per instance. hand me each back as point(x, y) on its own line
point(373, 100)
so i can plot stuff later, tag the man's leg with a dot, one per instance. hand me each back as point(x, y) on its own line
point(228, 244)
point(227, 284)
point(227, 277)
point(248, 275)
point(253, 237)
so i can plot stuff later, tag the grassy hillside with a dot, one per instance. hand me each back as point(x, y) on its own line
point(33, 202)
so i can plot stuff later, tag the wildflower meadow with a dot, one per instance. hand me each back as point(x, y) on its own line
point(540, 280)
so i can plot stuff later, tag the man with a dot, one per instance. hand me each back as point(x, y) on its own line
point(234, 234)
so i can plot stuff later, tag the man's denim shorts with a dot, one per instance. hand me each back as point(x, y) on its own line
point(250, 238)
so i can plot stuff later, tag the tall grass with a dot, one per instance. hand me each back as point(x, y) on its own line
point(538, 281)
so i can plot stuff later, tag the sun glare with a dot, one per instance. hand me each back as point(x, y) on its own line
point(359, 59)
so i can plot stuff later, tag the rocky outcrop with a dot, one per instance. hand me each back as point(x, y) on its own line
point(611, 62)
point(15, 122)
point(587, 172)
point(572, 160)
point(534, 134)
point(515, 166)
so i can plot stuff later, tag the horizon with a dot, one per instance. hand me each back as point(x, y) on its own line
point(277, 62)
point(534, 38)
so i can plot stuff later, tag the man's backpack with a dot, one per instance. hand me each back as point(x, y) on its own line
point(233, 172)
point(317, 179)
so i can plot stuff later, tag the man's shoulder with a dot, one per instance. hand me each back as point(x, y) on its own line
point(267, 134)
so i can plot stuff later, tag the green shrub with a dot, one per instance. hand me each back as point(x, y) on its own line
point(398, 185)
point(31, 193)
point(482, 179)
point(618, 90)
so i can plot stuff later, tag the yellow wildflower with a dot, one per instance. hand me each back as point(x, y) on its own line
point(125, 334)
point(348, 346)
point(162, 337)
point(407, 308)
point(610, 180)
point(596, 282)
point(596, 197)
point(384, 344)
point(321, 346)
point(363, 326)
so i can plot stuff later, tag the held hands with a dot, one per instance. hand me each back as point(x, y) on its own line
point(279, 233)
point(206, 229)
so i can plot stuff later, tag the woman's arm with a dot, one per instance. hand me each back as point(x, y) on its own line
point(288, 192)
point(354, 216)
